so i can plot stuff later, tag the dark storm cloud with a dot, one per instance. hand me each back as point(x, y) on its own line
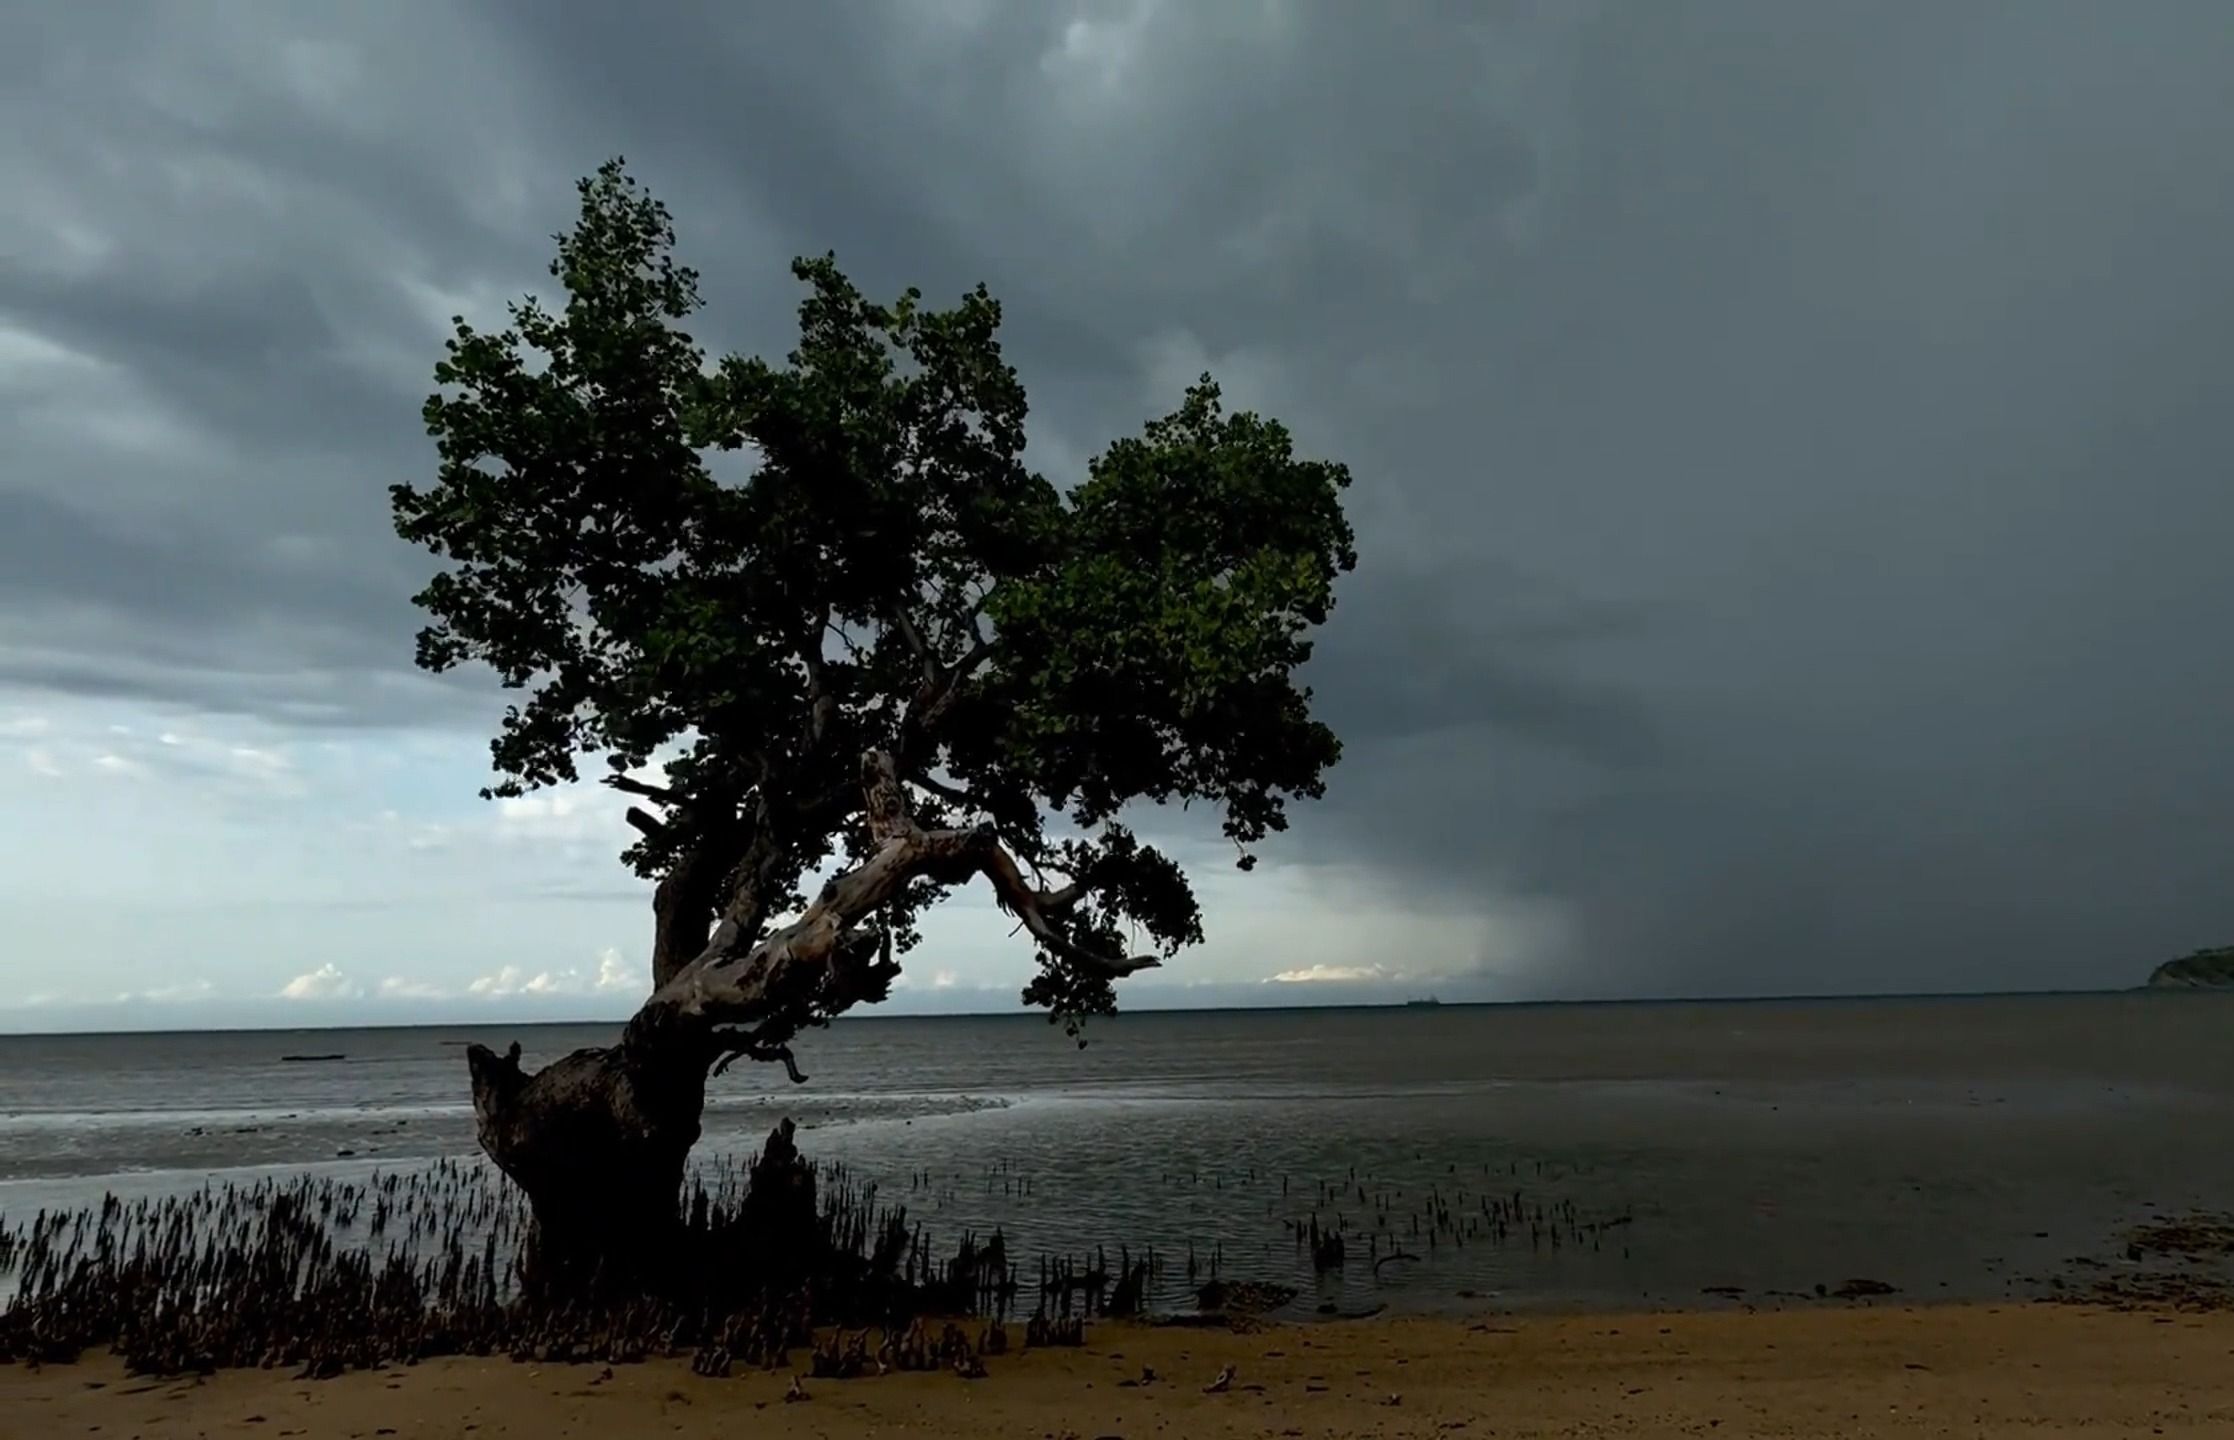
point(1791, 439)
point(1898, 390)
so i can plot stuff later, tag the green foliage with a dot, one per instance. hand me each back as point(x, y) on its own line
point(2211, 969)
point(890, 575)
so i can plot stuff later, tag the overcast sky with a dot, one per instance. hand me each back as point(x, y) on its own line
point(1793, 447)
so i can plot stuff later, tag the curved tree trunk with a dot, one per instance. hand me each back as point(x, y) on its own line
point(600, 1140)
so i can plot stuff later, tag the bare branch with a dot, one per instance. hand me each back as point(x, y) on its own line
point(941, 685)
point(822, 706)
point(1061, 902)
point(683, 906)
point(629, 784)
point(952, 793)
point(642, 820)
point(971, 659)
point(1038, 910)
point(746, 884)
point(920, 648)
point(845, 638)
point(744, 1045)
point(973, 609)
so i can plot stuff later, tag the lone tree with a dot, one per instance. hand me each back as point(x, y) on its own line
point(893, 652)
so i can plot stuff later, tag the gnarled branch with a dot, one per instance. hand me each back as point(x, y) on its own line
point(738, 1045)
point(730, 984)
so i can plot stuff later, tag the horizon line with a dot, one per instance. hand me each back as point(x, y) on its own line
point(1024, 1013)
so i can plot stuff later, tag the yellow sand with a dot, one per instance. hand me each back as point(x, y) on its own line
point(1954, 1370)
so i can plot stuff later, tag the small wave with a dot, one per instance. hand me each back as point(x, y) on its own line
point(859, 1104)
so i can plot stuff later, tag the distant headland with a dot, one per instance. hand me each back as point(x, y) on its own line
point(2204, 970)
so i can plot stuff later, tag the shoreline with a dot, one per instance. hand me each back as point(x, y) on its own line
point(1859, 1370)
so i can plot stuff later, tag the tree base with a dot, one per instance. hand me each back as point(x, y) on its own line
point(599, 1141)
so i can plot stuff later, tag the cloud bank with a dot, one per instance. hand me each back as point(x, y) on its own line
point(1791, 443)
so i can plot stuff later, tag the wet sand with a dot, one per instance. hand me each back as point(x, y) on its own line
point(1859, 1371)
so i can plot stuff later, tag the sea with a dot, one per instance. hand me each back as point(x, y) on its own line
point(1643, 1154)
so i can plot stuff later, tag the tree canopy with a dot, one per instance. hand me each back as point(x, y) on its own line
point(889, 577)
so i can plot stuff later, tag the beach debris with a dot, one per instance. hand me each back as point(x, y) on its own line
point(2190, 1236)
point(1043, 1330)
point(1244, 1297)
point(2178, 1263)
point(1223, 1383)
point(841, 1357)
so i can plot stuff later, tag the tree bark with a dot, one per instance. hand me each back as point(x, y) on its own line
point(600, 1140)
point(682, 912)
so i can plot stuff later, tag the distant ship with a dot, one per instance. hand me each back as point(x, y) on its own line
point(1428, 1003)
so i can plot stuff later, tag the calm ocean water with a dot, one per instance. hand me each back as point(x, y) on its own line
point(1954, 1148)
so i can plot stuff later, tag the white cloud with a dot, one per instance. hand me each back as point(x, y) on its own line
point(513, 980)
point(944, 980)
point(615, 973)
point(169, 754)
point(256, 760)
point(1333, 975)
point(182, 992)
point(416, 834)
point(395, 987)
point(324, 983)
point(176, 994)
point(571, 814)
point(266, 766)
point(1248, 379)
point(548, 815)
point(503, 982)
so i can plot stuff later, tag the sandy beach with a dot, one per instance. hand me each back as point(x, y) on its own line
point(1950, 1370)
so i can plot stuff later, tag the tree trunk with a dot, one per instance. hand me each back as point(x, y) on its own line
point(599, 1140)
